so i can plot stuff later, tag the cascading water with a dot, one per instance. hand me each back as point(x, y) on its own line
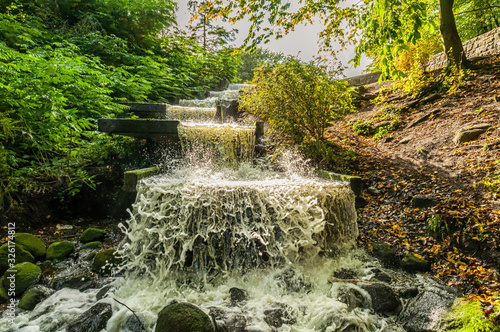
point(191, 113)
point(215, 224)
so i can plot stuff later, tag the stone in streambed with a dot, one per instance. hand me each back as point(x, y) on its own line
point(104, 261)
point(92, 234)
point(386, 254)
point(183, 317)
point(32, 244)
point(21, 275)
point(60, 250)
point(92, 320)
point(384, 299)
point(33, 296)
point(92, 245)
point(20, 254)
point(414, 264)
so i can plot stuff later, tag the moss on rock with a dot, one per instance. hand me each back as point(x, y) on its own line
point(4, 296)
point(26, 274)
point(413, 264)
point(32, 244)
point(32, 297)
point(467, 316)
point(183, 317)
point(21, 256)
point(92, 245)
point(60, 250)
point(104, 261)
point(92, 234)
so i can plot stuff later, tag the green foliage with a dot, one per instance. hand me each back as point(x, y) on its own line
point(492, 180)
point(475, 17)
point(301, 101)
point(251, 60)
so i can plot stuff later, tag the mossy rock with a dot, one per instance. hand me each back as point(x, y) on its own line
point(104, 261)
point(26, 275)
point(32, 244)
point(413, 264)
point(32, 297)
point(21, 256)
point(183, 317)
point(465, 316)
point(92, 234)
point(60, 250)
point(385, 253)
point(4, 296)
point(92, 245)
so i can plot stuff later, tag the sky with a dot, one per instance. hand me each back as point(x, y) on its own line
point(302, 42)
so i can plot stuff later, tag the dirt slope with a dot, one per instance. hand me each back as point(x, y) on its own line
point(427, 194)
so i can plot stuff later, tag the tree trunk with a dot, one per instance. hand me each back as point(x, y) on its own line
point(451, 40)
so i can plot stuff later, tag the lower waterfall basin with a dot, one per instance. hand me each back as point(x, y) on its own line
point(311, 298)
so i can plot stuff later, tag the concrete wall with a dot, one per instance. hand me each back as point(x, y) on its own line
point(487, 44)
point(364, 79)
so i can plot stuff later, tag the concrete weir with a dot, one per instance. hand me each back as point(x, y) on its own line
point(141, 128)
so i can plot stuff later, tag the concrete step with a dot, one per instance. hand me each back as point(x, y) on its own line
point(140, 128)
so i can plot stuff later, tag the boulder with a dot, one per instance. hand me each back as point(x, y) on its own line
point(183, 317)
point(4, 296)
point(470, 133)
point(33, 296)
point(25, 275)
point(237, 295)
point(21, 256)
point(92, 234)
point(32, 244)
point(92, 245)
point(386, 254)
point(104, 261)
point(414, 264)
point(92, 320)
point(279, 314)
point(384, 299)
point(421, 314)
point(80, 282)
point(292, 281)
point(60, 250)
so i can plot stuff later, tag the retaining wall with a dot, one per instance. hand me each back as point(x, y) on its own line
point(487, 44)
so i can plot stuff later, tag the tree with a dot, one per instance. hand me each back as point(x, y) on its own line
point(385, 27)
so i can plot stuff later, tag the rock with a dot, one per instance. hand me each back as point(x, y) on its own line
point(104, 261)
point(352, 296)
point(183, 317)
point(92, 245)
point(291, 281)
point(344, 274)
point(384, 299)
point(26, 274)
point(92, 234)
point(359, 202)
point(21, 256)
point(102, 292)
point(33, 296)
point(409, 293)
point(92, 320)
point(405, 140)
point(385, 254)
point(4, 296)
point(80, 282)
point(382, 276)
point(32, 244)
point(237, 295)
point(279, 314)
point(60, 250)
point(373, 191)
point(132, 324)
point(421, 201)
point(414, 264)
point(470, 133)
point(422, 312)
